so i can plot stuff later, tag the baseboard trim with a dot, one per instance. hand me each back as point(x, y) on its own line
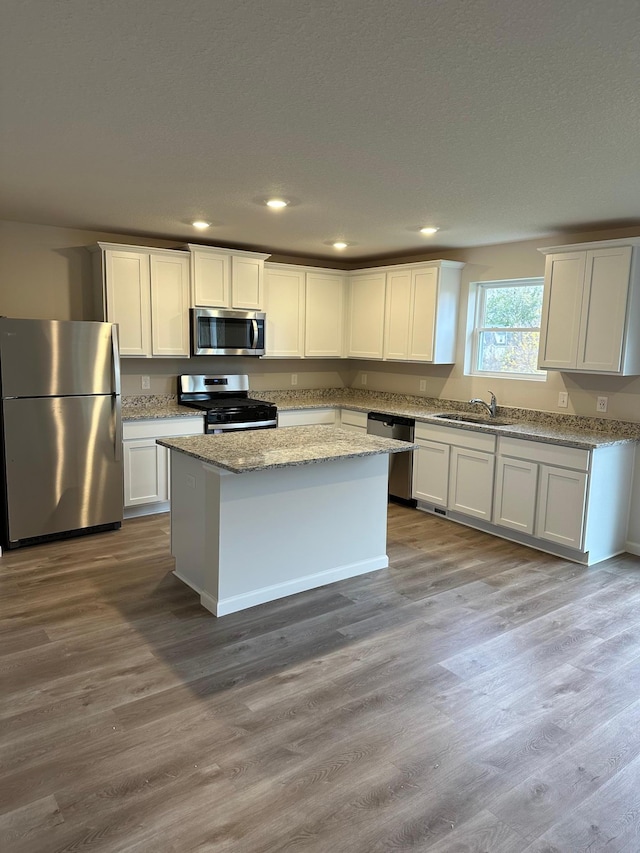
point(633, 548)
point(221, 607)
point(146, 509)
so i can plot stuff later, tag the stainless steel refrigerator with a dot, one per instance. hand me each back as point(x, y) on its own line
point(61, 429)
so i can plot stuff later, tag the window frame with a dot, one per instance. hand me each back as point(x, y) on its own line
point(481, 288)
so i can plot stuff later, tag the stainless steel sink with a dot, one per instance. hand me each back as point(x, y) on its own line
point(472, 419)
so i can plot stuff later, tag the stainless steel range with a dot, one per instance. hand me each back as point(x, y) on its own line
point(226, 402)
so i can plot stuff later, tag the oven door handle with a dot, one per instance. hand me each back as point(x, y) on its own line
point(254, 340)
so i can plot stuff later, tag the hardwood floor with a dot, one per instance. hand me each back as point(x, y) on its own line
point(477, 696)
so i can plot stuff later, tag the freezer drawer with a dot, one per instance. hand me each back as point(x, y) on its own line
point(63, 465)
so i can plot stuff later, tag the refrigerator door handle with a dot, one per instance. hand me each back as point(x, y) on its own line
point(115, 361)
point(115, 384)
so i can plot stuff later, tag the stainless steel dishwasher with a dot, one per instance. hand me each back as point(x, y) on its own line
point(400, 464)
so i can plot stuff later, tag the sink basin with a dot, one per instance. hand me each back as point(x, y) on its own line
point(471, 419)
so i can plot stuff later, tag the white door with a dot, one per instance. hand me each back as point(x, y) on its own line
point(398, 309)
point(210, 279)
point(284, 306)
point(561, 307)
point(423, 314)
point(324, 316)
point(170, 305)
point(145, 472)
point(604, 309)
point(471, 482)
point(431, 472)
point(366, 316)
point(516, 494)
point(128, 300)
point(561, 504)
point(247, 283)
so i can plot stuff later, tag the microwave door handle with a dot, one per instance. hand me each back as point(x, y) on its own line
point(254, 342)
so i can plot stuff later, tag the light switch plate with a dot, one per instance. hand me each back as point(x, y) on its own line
point(563, 399)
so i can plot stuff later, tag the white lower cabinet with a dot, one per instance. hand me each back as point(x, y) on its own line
point(562, 498)
point(471, 482)
point(146, 464)
point(515, 494)
point(354, 421)
point(306, 417)
point(453, 469)
point(570, 501)
point(431, 472)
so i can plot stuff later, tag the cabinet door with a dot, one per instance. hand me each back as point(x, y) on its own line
point(397, 314)
point(284, 306)
point(128, 299)
point(170, 305)
point(561, 308)
point(247, 283)
point(210, 279)
point(604, 309)
point(366, 316)
point(354, 421)
point(516, 494)
point(324, 317)
point(424, 293)
point(145, 472)
point(431, 472)
point(306, 417)
point(471, 482)
point(561, 506)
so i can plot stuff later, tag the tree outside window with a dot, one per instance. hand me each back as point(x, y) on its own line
point(507, 328)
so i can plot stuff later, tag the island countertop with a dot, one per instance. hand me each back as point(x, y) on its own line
point(257, 450)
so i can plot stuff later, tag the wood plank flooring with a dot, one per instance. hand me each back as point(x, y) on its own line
point(476, 697)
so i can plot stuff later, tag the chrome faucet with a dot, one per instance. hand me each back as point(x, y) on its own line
point(492, 407)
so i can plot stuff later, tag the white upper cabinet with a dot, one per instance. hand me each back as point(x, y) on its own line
point(365, 335)
point(284, 290)
point(147, 293)
point(421, 312)
point(324, 317)
point(226, 278)
point(591, 308)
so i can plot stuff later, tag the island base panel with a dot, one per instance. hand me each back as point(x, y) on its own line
point(244, 539)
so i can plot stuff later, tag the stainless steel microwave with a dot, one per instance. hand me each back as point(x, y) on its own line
point(218, 331)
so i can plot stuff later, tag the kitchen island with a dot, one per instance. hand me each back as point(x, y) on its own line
point(262, 514)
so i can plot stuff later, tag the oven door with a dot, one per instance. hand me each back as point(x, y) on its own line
point(223, 332)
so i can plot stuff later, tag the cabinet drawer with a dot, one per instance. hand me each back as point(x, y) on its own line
point(300, 417)
point(356, 419)
point(163, 427)
point(472, 439)
point(548, 454)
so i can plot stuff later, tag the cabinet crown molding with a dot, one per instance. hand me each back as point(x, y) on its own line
point(125, 247)
point(237, 253)
point(585, 247)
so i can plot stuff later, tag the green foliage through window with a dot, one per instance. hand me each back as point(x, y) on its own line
point(507, 330)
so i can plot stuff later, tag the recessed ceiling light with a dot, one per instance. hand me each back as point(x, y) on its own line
point(276, 203)
point(429, 231)
point(339, 244)
point(200, 224)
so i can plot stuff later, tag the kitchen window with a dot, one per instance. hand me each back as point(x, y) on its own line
point(506, 331)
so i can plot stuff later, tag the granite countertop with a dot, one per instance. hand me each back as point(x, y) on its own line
point(569, 430)
point(258, 450)
point(155, 406)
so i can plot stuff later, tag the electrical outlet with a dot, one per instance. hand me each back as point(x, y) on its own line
point(563, 399)
point(423, 384)
point(145, 383)
point(363, 378)
point(602, 404)
point(294, 378)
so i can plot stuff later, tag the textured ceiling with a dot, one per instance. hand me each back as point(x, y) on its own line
point(497, 120)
